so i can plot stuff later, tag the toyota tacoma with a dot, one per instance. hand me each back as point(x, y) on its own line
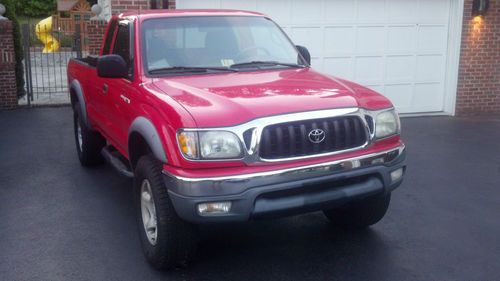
point(218, 117)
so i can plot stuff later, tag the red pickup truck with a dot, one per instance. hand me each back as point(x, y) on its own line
point(218, 117)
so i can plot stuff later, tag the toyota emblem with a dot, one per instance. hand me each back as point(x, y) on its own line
point(316, 136)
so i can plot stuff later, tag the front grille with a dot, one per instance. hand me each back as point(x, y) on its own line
point(286, 140)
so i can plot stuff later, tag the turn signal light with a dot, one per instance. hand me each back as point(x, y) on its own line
point(187, 144)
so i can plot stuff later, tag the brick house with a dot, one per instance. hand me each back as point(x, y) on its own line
point(427, 56)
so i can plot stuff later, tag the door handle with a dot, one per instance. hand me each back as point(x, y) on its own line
point(104, 88)
point(124, 98)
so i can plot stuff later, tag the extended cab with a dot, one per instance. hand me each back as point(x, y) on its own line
point(218, 117)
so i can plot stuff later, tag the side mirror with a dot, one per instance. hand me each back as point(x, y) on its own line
point(304, 53)
point(112, 66)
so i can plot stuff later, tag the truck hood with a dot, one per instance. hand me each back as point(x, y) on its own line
point(226, 99)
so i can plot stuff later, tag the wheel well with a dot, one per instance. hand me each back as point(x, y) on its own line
point(137, 147)
point(74, 98)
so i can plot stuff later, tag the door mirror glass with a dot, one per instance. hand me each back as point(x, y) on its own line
point(304, 52)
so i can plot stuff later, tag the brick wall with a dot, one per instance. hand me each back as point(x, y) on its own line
point(119, 6)
point(96, 30)
point(479, 72)
point(171, 4)
point(8, 89)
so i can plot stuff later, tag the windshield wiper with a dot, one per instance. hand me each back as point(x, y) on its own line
point(266, 63)
point(196, 69)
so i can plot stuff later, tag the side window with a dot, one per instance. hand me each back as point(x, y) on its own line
point(109, 38)
point(122, 45)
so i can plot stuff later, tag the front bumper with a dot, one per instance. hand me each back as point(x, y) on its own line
point(289, 191)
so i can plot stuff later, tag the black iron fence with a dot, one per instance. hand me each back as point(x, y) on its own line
point(47, 52)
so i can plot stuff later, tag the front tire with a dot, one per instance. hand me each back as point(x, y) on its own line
point(88, 143)
point(360, 214)
point(167, 240)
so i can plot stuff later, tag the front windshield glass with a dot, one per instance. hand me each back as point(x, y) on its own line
point(214, 41)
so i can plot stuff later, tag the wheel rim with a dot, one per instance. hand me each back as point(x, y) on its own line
point(148, 212)
point(79, 137)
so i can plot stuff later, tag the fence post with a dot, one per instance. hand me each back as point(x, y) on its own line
point(78, 40)
point(27, 63)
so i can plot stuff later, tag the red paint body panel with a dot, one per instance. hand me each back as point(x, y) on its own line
point(215, 100)
point(248, 95)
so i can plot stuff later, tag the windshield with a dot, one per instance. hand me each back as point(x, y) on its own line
point(216, 42)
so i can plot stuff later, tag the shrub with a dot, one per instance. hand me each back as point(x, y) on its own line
point(35, 8)
point(18, 47)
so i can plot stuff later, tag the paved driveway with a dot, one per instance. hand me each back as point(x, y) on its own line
point(59, 221)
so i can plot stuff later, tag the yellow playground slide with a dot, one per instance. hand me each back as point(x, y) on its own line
point(42, 31)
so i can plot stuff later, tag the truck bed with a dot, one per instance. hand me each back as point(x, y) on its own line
point(90, 61)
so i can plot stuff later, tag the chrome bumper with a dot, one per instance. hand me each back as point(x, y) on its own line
point(305, 188)
point(239, 183)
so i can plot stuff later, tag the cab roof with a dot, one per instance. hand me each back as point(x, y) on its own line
point(146, 14)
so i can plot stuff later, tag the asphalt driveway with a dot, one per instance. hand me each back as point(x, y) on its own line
point(59, 221)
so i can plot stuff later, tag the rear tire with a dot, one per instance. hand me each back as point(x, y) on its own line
point(167, 240)
point(88, 143)
point(360, 214)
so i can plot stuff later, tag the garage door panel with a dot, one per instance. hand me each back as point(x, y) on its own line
point(307, 12)
point(430, 68)
point(317, 63)
point(397, 47)
point(279, 11)
point(339, 40)
point(434, 11)
point(340, 11)
point(339, 67)
point(371, 11)
point(200, 4)
point(311, 37)
point(249, 5)
point(402, 11)
point(432, 38)
point(370, 39)
point(401, 38)
point(400, 69)
point(400, 94)
point(369, 70)
point(427, 97)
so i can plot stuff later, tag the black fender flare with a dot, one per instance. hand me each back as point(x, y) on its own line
point(76, 88)
point(147, 130)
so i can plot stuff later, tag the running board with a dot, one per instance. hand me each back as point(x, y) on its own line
point(115, 159)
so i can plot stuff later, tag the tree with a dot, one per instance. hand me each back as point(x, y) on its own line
point(35, 8)
point(18, 48)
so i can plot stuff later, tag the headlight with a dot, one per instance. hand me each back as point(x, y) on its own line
point(387, 123)
point(206, 145)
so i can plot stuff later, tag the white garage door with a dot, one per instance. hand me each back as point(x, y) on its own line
point(396, 47)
